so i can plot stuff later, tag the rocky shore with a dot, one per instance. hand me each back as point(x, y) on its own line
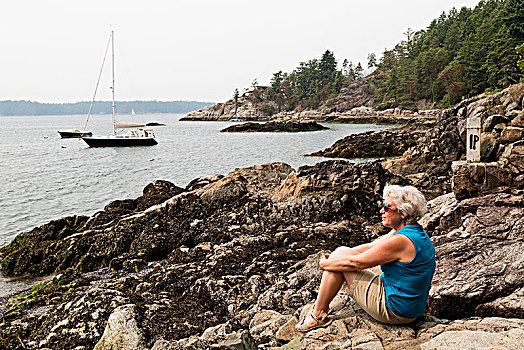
point(231, 262)
point(357, 115)
point(352, 105)
point(276, 126)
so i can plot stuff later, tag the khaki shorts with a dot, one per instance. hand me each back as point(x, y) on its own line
point(368, 291)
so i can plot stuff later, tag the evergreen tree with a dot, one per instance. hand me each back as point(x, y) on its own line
point(372, 60)
point(359, 71)
point(276, 80)
point(345, 68)
point(328, 65)
point(513, 16)
point(351, 72)
point(235, 99)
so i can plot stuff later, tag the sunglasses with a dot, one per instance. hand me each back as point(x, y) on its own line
point(387, 207)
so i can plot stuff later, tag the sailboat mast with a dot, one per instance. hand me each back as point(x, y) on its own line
point(113, 74)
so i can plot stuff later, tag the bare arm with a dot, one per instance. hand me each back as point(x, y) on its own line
point(363, 247)
point(388, 248)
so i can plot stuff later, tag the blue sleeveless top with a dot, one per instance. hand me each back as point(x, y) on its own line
point(407, 284)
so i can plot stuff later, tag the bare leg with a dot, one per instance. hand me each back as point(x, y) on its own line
point(329, 287)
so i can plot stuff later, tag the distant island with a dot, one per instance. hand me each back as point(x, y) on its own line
point(25, 108)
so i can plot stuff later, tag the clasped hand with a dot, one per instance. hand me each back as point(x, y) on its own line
point(323, 261)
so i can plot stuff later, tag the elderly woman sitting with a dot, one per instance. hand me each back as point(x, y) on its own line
point(390, 277)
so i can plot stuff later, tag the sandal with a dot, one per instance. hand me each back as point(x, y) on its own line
point(321, 321)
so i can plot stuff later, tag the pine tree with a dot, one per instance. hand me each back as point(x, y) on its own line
point(513, 16)
point(236, 95)
point(359, 71)
point(372, 60)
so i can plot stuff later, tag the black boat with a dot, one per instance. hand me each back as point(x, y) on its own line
point(69, 134)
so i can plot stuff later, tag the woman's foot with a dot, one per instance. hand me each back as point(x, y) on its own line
point(313, 322)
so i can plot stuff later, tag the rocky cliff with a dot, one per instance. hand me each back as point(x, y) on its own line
point(231, 262)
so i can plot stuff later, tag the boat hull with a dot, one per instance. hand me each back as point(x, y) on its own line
point(119, 141)
point(70, 134)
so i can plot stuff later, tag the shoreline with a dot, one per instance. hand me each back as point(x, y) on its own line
point(337, 119)
point(234, 258)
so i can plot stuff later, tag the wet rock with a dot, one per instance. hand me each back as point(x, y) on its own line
point(389, 143)
point(154, 193)
point(162, 188)
point(276, 126)
point(215, 254)
point(36, 252)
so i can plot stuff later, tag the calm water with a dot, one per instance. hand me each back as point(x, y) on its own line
point(44, 177)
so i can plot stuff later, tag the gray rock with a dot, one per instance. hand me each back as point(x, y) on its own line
point(511, 305)
point(493, 120)
point(512, 106)
point(242, 342)
point(122, 331)
point(163, 344)
point(513, 158)
point(489, 147)
point(475, 179)
point(479, 254)
point(511, 134)
point(518, 120)
point(499, 127)
point(476, 340)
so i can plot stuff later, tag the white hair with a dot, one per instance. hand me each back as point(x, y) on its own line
point(409, 201)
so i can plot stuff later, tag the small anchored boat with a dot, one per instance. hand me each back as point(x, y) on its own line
point(73, 133)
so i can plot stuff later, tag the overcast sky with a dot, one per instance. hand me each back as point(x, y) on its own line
point(52, 50)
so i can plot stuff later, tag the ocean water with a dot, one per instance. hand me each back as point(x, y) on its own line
point(45, 177)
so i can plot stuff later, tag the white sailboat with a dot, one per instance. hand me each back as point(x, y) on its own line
point(137, 135)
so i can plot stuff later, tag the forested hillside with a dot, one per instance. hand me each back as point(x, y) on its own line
point(460, 54)
point(15, 108)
